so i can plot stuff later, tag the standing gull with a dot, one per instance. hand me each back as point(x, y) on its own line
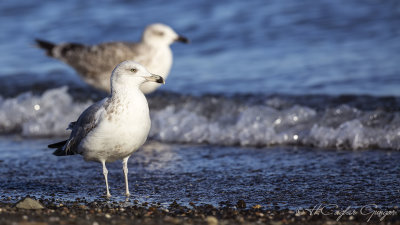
point(115, 127)
point(95, 63)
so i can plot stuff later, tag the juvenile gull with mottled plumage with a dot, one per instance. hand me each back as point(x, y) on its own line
point(95, 63)
point(115, 127)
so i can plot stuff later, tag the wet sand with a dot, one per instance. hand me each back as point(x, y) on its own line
point(185, 184)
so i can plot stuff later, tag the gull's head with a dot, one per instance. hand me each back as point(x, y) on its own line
point(130, 74)
point(160, 34)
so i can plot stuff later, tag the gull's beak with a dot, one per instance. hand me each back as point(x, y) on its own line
point(182, 39)
point(156, 78)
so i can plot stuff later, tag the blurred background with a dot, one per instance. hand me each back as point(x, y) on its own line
point(258, 76)
point(289, 47)
point(257, 73)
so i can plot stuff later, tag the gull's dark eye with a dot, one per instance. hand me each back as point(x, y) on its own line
point(133, 70)
point(159, 33)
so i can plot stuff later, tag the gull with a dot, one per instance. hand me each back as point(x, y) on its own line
point(115, 127)
point(94, 63)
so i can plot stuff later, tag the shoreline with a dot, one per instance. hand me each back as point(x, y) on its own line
point(106, 212)
point(274, 177)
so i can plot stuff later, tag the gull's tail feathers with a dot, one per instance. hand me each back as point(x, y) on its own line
point(58, 144)
point(60, 150)
point(48, 46)
point(60, 51)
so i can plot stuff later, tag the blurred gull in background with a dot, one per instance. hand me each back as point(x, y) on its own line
point(95, 63)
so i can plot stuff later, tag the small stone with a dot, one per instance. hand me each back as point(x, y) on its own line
point(276, 223)
point(260, 214)
point(108, 216)
point(211, 220)
point(54, 219)
point(241, 204)
point(28, 203)
point(257, 207)
point(172, 220)
point(95, 223)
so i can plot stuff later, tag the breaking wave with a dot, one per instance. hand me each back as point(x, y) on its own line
point(345, 122)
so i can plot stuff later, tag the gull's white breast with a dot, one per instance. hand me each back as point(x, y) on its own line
point(121, 130)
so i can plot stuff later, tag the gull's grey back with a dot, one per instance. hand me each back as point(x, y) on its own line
point(95, 63)
point(98, 59)
point(86, 122)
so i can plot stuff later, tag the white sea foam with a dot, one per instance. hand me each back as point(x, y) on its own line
point(45, 115)
point(263, 126)
point(219, 121)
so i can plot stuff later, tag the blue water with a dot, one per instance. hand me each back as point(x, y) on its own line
point(287, 47)
point(257, 73)
point(284, 76)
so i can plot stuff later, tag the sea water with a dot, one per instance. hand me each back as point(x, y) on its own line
point(318, 75)
point(255, 74)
